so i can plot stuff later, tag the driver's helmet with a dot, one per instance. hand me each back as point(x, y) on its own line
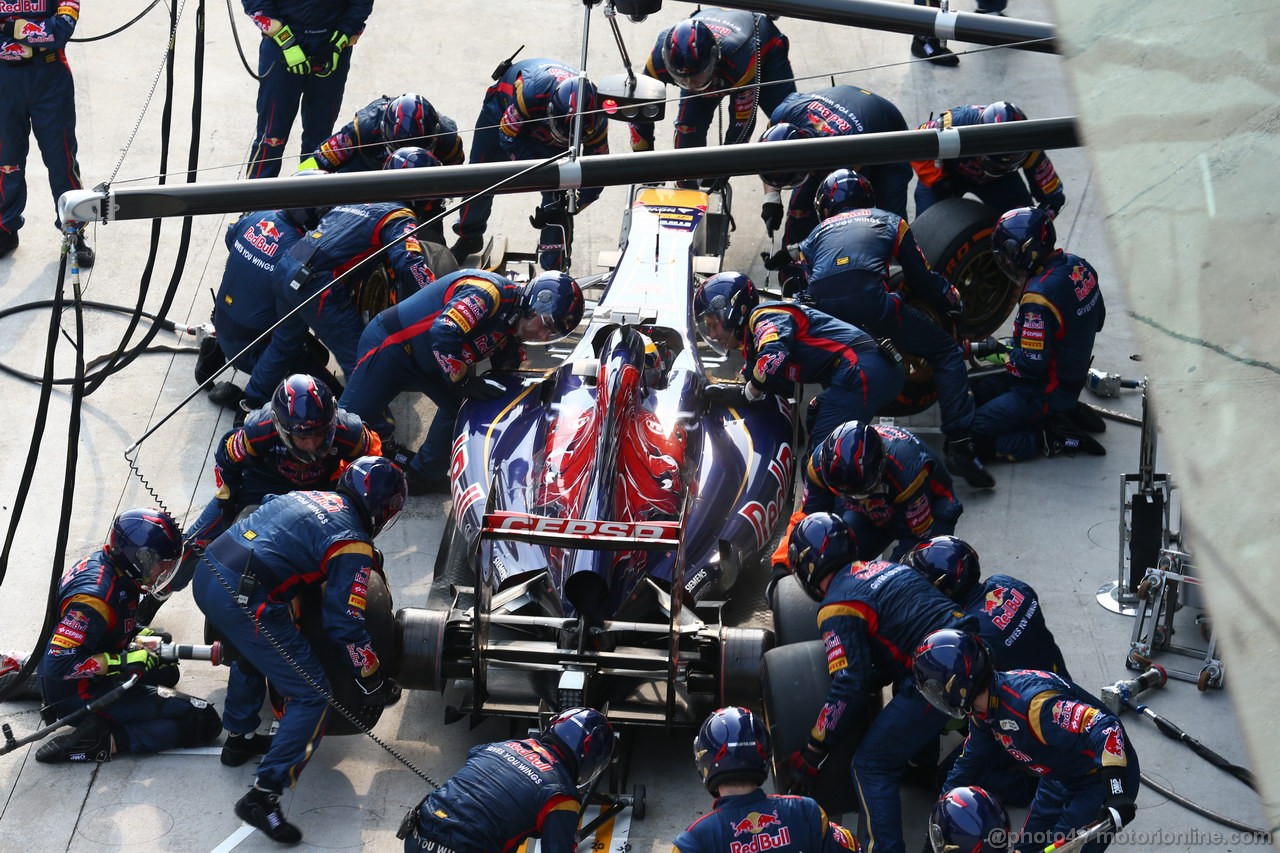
point(778, 133)
point(563, 105)
point(557, 299)
point(850, 461)
point(843, 189)
point(968, 820)
point(408, 120)
point(585, 739)
point(303, 407)
point(730, 297)
point(733, 743)
point(376, 487)
point(820, 545)
point(1021, 241)
point(145, 544)
point(690, 53)
point(996, 165)
point(950, 564)
point(950, 668)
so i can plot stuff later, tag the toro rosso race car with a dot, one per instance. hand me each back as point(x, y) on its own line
point(602, 510)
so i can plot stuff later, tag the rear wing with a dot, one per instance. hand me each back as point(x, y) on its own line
point(588, 533)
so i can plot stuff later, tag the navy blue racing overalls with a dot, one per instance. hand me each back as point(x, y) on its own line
point(846, 261)
point(1059, 732)
point(512, 125)
point(872, 618)
point(314, 24)
point(245, 304)
point(37, 94)
point(754, 71)
point(251, 462)
point(914, 502)
point(346, 236)
point(1060, 313)
point(842, 111)
point(1012, 623)
point(760, 821)
point(428, 343)
point(358, 146)
point(939, 179)
point(506, 792)
point(294, 541)
point(97, 605)
point(785, 343)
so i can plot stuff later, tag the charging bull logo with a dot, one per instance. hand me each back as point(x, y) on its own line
point(87, 668)
point(1001, 605)
point(15, 50)
point(757, 824)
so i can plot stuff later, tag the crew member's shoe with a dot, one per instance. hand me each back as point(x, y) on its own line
point(261, 810)
point(1062, 438)
point(1087, 418)
point(89, 741)
point(8, 242)
point(963, 460)
point(83, 253)
point(928, 47)
point(237, 749)
point(465, 248)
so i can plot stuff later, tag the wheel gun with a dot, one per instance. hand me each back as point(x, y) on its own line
point(1105, 384)
point(1120, 695)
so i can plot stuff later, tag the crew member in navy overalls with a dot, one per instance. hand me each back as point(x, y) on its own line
point(383, 126)
point(37, 94)
point(512, 790)
point(731, 752)
point(872, 616)
point(304, 59)
point(528, 115)
point(1087, 766)
point(245, 584)
point(431, 341)
point(716, 53)
point(93, 650)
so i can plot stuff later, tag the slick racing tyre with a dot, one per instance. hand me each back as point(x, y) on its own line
point(795, 614)
point(795, 683)
point(380, 621)
point(955, 235)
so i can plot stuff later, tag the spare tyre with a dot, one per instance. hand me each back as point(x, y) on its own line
point(955, 235)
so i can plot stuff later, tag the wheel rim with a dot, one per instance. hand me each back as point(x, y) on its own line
point(988, 295)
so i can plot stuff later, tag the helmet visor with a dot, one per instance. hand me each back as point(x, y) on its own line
point(695, 81)
point(996, 165)
point(937, 696)
point(712, 330)
point(936, 841)
point(1005, 263)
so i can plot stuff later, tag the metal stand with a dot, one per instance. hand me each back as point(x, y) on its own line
point(1159, 594)
point(1145, 521)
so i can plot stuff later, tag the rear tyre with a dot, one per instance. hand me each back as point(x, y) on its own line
point(795, 614)
point(741, 650)
point(795, 683)
point(955, 235)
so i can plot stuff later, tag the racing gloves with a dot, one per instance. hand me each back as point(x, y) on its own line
point(132, 662)
point(771, 213)
point(1119, 807)
point(805, 765)
point(479, 388)
point(732, 395)
point(338, 42)
point(378, 692)
point(295, 58)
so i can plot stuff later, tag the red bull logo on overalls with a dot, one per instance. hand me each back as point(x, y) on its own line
point(757, 824)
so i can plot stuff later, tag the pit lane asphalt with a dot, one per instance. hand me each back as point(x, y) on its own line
point(1050, 522)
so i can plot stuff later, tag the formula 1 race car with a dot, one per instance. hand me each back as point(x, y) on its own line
point(603, 510)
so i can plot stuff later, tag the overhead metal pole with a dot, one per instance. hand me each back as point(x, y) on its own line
point(608, 170)
point(913, 20)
